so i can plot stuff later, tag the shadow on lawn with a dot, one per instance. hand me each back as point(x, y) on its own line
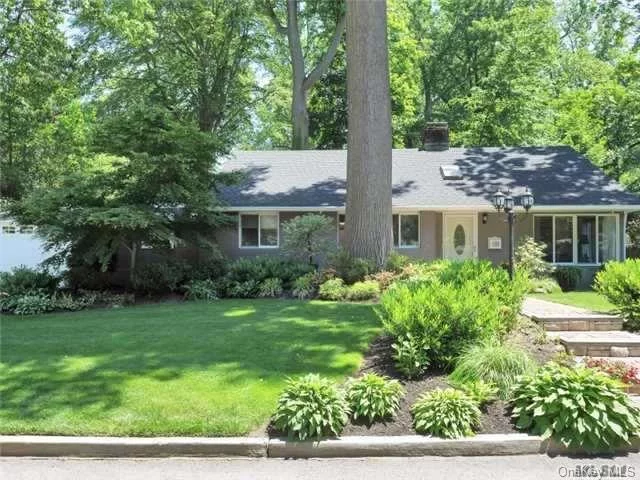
point(82, 360)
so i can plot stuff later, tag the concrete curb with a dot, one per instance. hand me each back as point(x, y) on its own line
point(356, 446)
point(53, 446)
point(408, 446)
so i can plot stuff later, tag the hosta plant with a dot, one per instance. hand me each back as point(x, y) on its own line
point(479, 391)
point(446, 413)
point(311, 407)
point(33, 304)
point(578, 407)
point(373, 397)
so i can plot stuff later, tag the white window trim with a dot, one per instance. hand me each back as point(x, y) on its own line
point(574, 218)
point(406, 214)
point(260, 215)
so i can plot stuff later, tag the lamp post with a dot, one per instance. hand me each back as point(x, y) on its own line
point(507, 203)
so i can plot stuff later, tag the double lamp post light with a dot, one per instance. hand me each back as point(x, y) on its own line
point(507, 203)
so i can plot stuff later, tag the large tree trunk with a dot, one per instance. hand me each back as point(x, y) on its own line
point(299, 116)
point(368, 210)
point(428, 100)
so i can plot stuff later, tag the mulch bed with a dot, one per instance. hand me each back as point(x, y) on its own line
point(496, 416)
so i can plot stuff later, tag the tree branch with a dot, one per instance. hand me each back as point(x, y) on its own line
point(326, 60)
point(295, 48)
point(271, 13)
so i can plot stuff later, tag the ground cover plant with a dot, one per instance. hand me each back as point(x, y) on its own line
point(578, 407)
point(305, 287)
point(193, 368)
point(201, 290)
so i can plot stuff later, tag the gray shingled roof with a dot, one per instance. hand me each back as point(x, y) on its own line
point(314, 178)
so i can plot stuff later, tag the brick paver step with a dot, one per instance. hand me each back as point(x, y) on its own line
point(600, 344)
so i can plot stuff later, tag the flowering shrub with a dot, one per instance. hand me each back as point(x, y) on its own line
point(625, 373)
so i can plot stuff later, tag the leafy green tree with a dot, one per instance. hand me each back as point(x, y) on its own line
point(43, 126)
point(309, 237)
point(328, 100)
point(300, 19)
point(328, 107)
point(160, 193)
point(190, 57)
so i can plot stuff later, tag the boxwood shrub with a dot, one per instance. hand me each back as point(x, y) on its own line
point(365, 290)
point(578, 407)
point(259, 269)
point(333, 289)
point(568, 277)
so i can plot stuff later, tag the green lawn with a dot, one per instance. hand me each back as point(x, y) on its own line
point(591, 300)
point(172, 369)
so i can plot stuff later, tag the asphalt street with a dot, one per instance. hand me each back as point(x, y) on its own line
point(535, 467)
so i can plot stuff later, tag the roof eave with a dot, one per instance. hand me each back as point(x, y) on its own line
point(479, 207)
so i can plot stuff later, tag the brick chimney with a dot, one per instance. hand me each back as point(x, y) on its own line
point(435, 137)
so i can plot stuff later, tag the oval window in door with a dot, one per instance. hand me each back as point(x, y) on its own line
point(459, 239)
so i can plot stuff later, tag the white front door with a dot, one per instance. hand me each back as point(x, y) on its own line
point(459, 239)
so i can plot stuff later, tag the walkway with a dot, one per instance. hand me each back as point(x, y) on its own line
point(583, 332)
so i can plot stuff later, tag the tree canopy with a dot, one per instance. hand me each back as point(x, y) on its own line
point(82, 82)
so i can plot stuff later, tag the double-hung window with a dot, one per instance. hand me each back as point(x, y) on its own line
point(406, 231)
point(584, 239)
point(259, 230)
